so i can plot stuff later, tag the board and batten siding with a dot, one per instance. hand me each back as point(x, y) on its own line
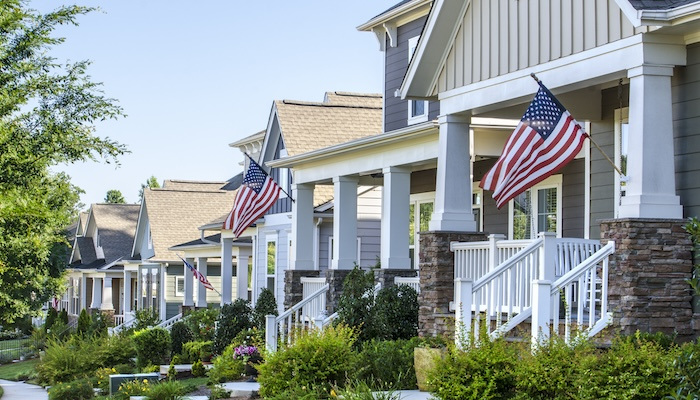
point(284, 203)
point(686, 131)
point(396, 64)
point(497, 37)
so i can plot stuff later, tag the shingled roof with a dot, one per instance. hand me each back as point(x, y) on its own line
point(175, 184)
point(659, 4)
point(308, 126)
point(353, 99)
point(116, 225)
point(175, 215)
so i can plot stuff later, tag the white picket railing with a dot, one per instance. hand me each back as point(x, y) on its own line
point(282, 327)
point(128, 321)
point(508, 293)
point(168, 323)
point(315, 307)
point(118, 319)
point(413, 282)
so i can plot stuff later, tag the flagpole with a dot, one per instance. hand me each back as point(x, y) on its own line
point(532, 74)
point(212, 286)
point(283, 191)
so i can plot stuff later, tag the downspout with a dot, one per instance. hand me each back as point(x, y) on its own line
point(317, 244)
point(201, 237)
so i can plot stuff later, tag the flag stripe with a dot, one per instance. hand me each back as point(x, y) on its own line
point(198, 275)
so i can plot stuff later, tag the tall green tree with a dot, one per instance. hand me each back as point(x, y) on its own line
point(151, 182)
point(114, 196)
point(48, 112)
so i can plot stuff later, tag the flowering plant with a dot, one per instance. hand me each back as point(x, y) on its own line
point(245, 353)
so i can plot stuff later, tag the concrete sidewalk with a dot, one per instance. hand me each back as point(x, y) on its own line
point(22, 391)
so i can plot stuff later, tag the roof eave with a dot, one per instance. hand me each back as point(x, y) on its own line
point(391, 14)
point(667, 17)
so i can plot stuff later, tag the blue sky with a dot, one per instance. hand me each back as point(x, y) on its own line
point(193, 77)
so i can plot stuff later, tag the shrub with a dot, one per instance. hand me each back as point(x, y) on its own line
point(218, 392)
point(225, 368)
point(83, 322)
point(80, 389)
point(194, 351)
point(51, 317)
point(483, 371)
point(69, 360)
point(152, 346)
point(316, 361)
point(356, 303)
point(233, 318)
point(132, 388)
point(396, 312)
point(145, 318)
point(266, 305)
point(180, 333)
point(117, 350)
point(167, 390)
point(172, 372)
point(388, 363)
point(198, 369)
point(201, 323)
point(687, 367)
point(250, 337)
point(99, 324)
point(102, 378)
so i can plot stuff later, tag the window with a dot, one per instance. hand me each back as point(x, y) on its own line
point(536, 210)
point(421, 210)
point(478, 206)
point(621, 141)
point(417, 109)
point(271, 264)
point(180, 285)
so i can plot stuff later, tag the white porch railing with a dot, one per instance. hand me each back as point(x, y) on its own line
point(282, 327)
point(118, 319)
point(413, 282)
point(508, 293)
point(128, 320)
point(313, 308)
point(168, 323)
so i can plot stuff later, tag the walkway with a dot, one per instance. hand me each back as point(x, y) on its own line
point(22, 391)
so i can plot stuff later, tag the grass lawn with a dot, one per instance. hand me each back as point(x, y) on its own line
point(15, 371)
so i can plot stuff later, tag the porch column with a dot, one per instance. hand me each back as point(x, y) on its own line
point(83, 293)
point(201, 290)
point(242, 272)
point(96, 293)
point(651, 189)
point(226, 269)
point(302, 227)
point(139, 289)
point(344, 222)
point(188, 301)
point(161, 293)
point(395, 208)
point(128, 295)
point(453, 190)
point(107, 303)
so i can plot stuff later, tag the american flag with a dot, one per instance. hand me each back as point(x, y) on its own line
point(257, 194)
point(545, 140)
point(198, 275)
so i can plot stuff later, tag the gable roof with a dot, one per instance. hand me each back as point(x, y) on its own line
point(116, 226)
point(176, 184)
point(174, 215)
point(659, 4)
point(353, 99)
point(307, 126)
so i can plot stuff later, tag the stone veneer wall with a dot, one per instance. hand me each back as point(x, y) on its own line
point(334, 278)
point(648, 272)
point(436, 265)
point(293, 289)
point(386, 276)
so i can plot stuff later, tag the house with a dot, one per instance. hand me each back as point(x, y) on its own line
point(626, 69)
point(101, 247)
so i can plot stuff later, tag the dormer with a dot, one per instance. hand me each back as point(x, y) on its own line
point(398, 30)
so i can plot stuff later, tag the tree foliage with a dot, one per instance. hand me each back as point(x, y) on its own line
point(151, 182)
point(114, 196)
point(48, 112)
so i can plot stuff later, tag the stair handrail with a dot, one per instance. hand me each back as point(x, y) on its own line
point(272, 323)
point(519, 256)
point(168, 323)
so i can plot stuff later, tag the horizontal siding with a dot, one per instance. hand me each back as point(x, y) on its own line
point(501, 36)
point(284, 203)
point(423, 181)
point(495, 220)
point(686, 131)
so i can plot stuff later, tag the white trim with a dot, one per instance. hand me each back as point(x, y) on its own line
point(415, 118)
point(177, 279)
point(554, 181)
point(621, 117)
point(587, 184)
point(416, 200)
point(476, 190)
point(271, 237)
point(330, 251)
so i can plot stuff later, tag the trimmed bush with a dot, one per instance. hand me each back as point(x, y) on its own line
point(51, 317)
point(233, 318)
point(396, 312)
point(388, 363)
point(83, 322)
point(198, 369)
point(197, 351)
point(180, 334)
point(145, 318)
point(356, 303)
point(316, 361)
point(167, 390)
point(80, 389)
point(201, 323)
point(266, 305)
point(63, 316)
point(225, 368)
point(152, 347)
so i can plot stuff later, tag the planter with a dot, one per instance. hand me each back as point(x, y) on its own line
point(424, 359)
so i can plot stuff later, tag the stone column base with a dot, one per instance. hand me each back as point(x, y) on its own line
point(184, 310)
point(386, 276)
point(335, 278)
point(293, 289)
point(437, 286)
point(647, 276)
point(109, 316)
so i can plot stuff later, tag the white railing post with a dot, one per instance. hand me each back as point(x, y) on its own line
point(271, 333)
point(541, 311)
point(548, 256)
point(463, 317)
point(494, 258)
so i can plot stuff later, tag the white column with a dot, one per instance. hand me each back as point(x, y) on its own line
point(453, 189)
point(242, 262)
point(96, 293)
point(344, 222)
point(83, 293)
point(139, 289)
point(651, 188)
point(107, 303)
point(188, 301)
point(128, 294)
point(302, 227)
point(201, 290)
point(161, 292)
point(226, 270)
point(395, 208)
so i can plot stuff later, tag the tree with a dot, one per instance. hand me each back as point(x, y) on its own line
point(114, 197)
point(151, 182)
point(48, 112)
